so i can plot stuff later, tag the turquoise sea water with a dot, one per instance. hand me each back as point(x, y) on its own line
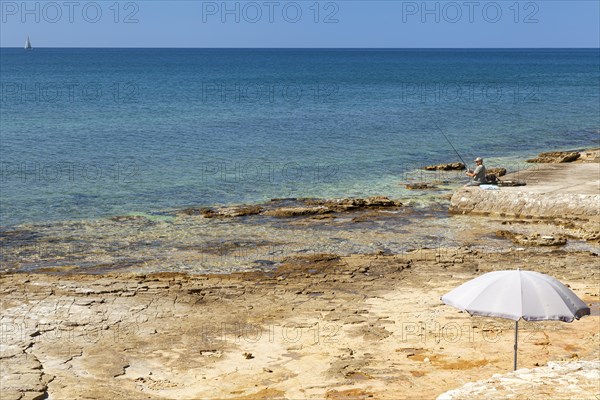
point(86, 133)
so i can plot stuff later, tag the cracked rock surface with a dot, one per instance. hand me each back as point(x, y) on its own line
point(319, 326)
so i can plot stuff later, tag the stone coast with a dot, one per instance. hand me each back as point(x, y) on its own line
point(567, 194)
point(326, 299)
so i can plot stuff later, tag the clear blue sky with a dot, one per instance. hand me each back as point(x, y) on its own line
point(300, 23)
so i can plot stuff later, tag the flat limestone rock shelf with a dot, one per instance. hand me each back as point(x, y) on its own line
point(323, 326)
point(558, 380)
point(552, 191)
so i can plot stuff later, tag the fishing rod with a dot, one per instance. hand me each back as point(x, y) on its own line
point(450, 143)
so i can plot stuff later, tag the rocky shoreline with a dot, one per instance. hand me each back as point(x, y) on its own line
point(294, 299)
point(559, 380)
point(322, 326)
point(560, 192)
point(296, 207)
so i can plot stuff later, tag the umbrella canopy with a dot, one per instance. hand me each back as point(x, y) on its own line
point(517, 294)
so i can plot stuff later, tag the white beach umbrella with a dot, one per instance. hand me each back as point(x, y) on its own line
point(517, 294)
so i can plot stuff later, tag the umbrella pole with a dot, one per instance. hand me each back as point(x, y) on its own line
point(516, 342)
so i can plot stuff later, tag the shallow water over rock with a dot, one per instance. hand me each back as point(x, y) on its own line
point(226, 240)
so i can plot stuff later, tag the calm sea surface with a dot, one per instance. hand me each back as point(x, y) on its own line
point(87, 133)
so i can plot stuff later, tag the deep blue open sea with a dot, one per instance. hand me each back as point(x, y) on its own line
point(87, 133)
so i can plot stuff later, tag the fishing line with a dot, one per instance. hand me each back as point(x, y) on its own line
point(450, 143)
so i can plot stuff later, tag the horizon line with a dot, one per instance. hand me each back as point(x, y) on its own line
point(308, 48)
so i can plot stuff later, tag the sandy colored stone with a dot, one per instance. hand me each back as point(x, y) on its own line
point(320, 323)
point(320, 326)
point(533, 240)
point(498, 171)
point(458, 166)
point(554, 157)
point(565, 194)
point(557, 380)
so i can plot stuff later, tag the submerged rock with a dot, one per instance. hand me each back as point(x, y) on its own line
point(193, 211)
point(225, 212)
point(242, 211)
point(127, 218)
point(296, 211)
point(285, 208)
point(357, 203)
point(420, 186)
point(320, 206)
point(8, 237)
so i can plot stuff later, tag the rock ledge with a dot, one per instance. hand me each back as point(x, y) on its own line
point(557, 380)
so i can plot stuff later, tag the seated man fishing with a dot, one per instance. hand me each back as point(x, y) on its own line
point(478, 175)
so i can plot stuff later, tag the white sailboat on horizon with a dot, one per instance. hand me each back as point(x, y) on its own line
point(28, 44)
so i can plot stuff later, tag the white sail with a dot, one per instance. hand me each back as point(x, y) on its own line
point(27, 44)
